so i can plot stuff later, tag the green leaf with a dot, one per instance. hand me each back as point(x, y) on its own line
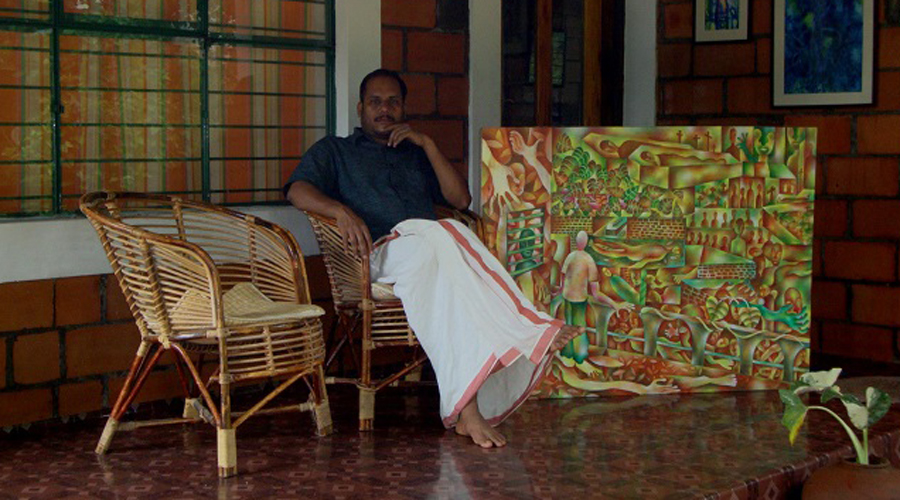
point(794, 415)
point(819, 381)
point(831, 393)
point(878, 404)
point(789, 398)
point(850, 398)
point(859, 414)
point(798, 384)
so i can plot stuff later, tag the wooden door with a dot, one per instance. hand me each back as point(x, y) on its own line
point(563, 62)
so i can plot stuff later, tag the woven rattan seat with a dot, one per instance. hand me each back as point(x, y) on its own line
point(205, 279)
point(246, 305)
point(383, 292)
point(368, 313)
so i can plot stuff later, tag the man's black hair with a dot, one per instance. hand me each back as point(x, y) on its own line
point(382, 72)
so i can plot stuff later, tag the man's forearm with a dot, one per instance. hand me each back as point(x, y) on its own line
point(354, 232)
point(453, 185)
point(304, 196)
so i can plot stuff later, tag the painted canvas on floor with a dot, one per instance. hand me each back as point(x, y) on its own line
point(686, 252)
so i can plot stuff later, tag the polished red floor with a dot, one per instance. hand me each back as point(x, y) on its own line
point(713, 446)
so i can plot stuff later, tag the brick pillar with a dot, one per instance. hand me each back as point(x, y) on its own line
point(427, 42)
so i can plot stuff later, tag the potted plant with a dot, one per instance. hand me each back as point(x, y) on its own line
point(847, 479)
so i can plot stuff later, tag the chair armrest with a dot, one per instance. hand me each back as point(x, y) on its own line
point(175, 290)
point(348, 273)
point(466, 216)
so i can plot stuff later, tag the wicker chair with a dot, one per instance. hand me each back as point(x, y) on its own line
point(371, 308)
point(200, 278)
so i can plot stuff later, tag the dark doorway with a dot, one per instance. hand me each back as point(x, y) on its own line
point(563, 62)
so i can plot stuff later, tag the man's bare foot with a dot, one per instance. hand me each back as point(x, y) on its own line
point(472, 424)
point(565, 334)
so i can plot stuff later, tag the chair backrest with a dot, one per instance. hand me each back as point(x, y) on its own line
point(174, 258)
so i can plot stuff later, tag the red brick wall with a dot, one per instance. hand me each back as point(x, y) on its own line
point(66, 345)
point(46, 333)
point(427, 42)
point(856, 291)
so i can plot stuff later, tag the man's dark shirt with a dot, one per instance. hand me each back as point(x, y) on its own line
point(382, 185)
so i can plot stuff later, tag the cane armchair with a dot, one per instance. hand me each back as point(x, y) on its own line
point(203, 280)
point(368, 314)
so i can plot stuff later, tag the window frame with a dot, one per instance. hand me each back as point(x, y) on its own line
point(59, 23)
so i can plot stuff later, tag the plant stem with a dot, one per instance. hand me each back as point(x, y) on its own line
point(862, 453)
point(866, 443)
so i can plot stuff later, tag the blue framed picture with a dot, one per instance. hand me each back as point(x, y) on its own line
point(720, 20)
point(822, 52)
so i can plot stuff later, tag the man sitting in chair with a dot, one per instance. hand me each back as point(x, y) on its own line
point(487, 343)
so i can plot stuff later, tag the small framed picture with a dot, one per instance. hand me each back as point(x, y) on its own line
point(720, 20)
point(822, 52)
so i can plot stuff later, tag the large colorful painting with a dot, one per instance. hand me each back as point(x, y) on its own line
point(686, 252)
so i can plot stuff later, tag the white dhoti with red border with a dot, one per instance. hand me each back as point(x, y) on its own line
point(482, 336)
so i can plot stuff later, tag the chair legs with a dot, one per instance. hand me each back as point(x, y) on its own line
point(194, 409)
point(368, 388)
point(193, 405)
point(366, 408)
point(227, 446)
point(415, 375)
point(108, 431)
point(137, 375)
point(321, 409)
point(344, 325)
point(147, 357)
point(227, 451)
point(322, 414)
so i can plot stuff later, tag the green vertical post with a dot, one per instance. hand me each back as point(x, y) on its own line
point(330, 84)
point(56, 12)
point(203, 18)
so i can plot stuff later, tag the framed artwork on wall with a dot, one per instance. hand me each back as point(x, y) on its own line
point(822, 52)
point(720, 20)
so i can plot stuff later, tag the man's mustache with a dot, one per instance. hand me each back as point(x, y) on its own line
point(385, 118)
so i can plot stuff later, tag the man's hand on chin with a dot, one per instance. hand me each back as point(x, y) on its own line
point(402, 131)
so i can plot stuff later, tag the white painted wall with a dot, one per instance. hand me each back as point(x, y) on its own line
point(357, 26)
point(639, 108)
point(485, 82)
point(55, 248)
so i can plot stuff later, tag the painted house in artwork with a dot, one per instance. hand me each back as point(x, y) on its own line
point(685, 251)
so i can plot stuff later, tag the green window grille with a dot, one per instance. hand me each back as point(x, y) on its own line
point(211, 99)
